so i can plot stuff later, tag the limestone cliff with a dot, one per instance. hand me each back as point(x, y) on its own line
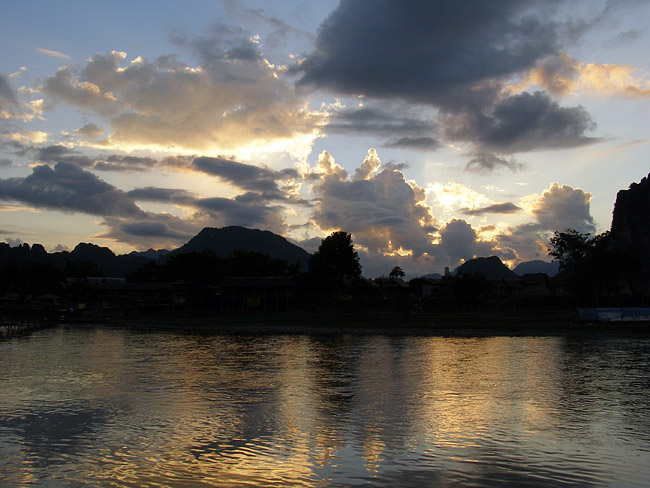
point(631, 221)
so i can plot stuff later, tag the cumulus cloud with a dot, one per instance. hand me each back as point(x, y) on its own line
point(234, 98)
point(557, 208)
point(564, 207)
point(459, 241)
point(386, 214)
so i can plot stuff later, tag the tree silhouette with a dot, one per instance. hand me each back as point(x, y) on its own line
point(336, 262)
point(396, 273)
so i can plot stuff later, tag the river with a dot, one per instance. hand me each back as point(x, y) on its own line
point(117, 406)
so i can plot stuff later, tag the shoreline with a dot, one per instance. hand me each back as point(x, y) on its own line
point(468, 324)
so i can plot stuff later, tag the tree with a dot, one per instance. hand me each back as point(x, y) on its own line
point(396, 273)
point(336, 262)
point(571, 248)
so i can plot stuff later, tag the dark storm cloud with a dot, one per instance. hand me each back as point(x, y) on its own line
point(456, 57)
point(165, 195)
point(435, 52)
point(246, 176)
point(67, 187)
point(499, 208)
point(523, 122)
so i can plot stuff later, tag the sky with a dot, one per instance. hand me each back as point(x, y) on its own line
point(433, 131)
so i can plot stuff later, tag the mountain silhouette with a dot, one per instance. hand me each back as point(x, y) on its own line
point(537, 266)
point(225, 240)
point(491, 268)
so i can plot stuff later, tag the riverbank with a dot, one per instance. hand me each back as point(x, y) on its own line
point(468, 324)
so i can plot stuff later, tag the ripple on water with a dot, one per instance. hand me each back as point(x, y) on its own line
point(111, 407)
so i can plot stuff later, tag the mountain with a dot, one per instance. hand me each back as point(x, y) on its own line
point(537, 266)
point(225, 240)
point(151, 253)
point(432, 276)
point(630, 232)
point(491, 268)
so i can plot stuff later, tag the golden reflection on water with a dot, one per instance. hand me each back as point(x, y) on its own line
point(122, 408)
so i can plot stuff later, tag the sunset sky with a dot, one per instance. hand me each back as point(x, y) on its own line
point(432, 131)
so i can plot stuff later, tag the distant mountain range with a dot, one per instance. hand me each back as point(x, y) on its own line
point(92, 260)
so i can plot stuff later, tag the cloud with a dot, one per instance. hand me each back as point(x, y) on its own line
point(90, 131)
point(25, 137)
point(433, 52)
point(522, 122)
point(499, 208)
point(459, 241)
point(564, 207)
point(249, 177)
point(112, 162)
point(151, 229)
point(53, 54)
point(68, 188)
point(7, 96)
point(562, 74)
point(234, 99)
point(403, 130)
point(385, 213)
point(458, 58)
point(238, 211)
point(557, 208)
point(11, 107)
point(154, 230)
point(485, 162)
point(165, 195)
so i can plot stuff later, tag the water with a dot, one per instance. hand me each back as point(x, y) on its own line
point(103, 406)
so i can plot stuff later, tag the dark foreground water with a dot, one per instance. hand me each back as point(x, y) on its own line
point(117, 407)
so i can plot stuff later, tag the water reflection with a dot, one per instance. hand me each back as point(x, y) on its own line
point(111, 407)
